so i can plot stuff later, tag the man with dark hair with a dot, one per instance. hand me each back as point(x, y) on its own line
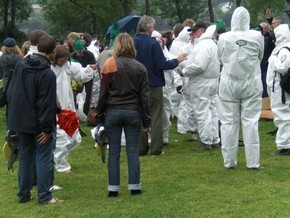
point(34, 37)
point(269, 45)
point(32, 114)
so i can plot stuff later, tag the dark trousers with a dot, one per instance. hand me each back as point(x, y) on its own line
point(32, 154)
point(156, 104)
point(88, 90)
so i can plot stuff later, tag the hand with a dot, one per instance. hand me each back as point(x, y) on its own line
point(182, 57)
point(268, 13)
point(94, 66)
point(43, 137)
point(179, 71)
point(146, 129)
point(100, 118)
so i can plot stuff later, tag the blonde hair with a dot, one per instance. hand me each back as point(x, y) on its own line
point(73, 36)
point(25, 47)
point(124, 45)
point(6, 50)
point(188, 22)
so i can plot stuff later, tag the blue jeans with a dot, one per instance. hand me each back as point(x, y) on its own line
point(31, 155)
point(130, 121)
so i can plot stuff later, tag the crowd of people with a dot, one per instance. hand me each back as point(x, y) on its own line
point(210, 79)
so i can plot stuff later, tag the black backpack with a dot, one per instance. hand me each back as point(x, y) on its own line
point(3, 91)
point(285, 82)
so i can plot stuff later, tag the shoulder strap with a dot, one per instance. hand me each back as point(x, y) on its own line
point(283, 98)
point(282, 48)
point(9, 78)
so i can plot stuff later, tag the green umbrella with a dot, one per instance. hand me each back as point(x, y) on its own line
point(114, 32)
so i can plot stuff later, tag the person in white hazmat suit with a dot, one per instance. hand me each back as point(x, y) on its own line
point(240, 51)
point(182, 107)
point(65, 71)
point(203, 72)
point(167, 90)
point(180, 41)
point(95, 49)
point(279, 63)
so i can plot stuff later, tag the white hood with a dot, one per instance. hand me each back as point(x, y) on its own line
point(183, 36)
point(155, 33)
point(282, 34)
point(209, 33)
point(181, 41)
point(240, 20)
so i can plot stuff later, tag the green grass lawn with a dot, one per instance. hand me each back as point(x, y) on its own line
point(180, 183)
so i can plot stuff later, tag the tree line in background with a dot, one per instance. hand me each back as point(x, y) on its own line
point(95, 16)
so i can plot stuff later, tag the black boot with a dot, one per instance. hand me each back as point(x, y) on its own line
point(136, 192)
point(113, 194)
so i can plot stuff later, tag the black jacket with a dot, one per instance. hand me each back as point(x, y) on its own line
point(32, 96)
point(7, 65)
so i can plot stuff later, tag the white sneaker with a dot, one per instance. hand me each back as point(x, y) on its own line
point(55, 187)
point(55, 201)
point(195, 137)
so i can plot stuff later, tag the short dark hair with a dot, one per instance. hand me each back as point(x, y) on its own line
point(87, 38)
point(46, 44)
point(177, 29)
point(35, 35)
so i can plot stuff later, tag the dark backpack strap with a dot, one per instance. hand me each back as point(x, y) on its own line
point(9, 78)
point(283, 98)
point(286, 48)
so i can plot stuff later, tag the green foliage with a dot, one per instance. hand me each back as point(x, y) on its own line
point(13, 32)
point(257, 9)
point(83, 16)
point(23, 9)
point(179, 10)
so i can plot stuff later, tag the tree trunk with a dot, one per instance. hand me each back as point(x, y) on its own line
point(178, 11)
point(238, 3)
point(13, 12)
point(210, 11)
point(147, 7)
point(94, 23)
point(125, 4)
point(5, 18)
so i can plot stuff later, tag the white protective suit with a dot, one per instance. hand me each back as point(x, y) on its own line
point(182, 107)
point(279, 63)
point(176, 50)
point(95, 49)
point(240, 51)
point(167, 90)
point(65, 98)
point(186, 120)
point(203, 72)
